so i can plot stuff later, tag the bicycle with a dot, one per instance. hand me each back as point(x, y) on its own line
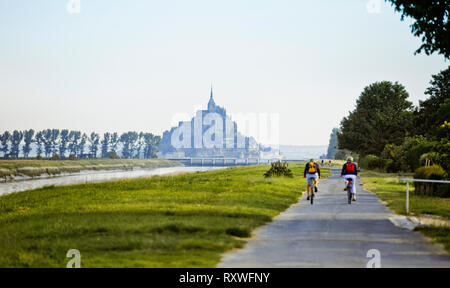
point(349, 187)
point(311, 189)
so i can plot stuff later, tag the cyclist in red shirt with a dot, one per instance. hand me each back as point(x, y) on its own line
point(350, 170)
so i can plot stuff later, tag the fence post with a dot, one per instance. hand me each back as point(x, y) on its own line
point(407, 197)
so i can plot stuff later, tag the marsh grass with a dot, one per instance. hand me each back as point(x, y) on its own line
point(5, 173)
point(35, 168)
point(186, 220)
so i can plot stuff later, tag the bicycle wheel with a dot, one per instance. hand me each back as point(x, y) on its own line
point(312, 197)
point(349, 196)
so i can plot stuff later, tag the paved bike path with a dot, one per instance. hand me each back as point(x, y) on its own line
point(332, 233)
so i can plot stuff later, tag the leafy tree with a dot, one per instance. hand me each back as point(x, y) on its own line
point(139, 145)
point(4, 140)
point(156, 142)
point(406, 156)
point(16, 139)
point(54, 140)
point(81, 145)
point(39, 142)
point(64, 140)
point(125, 145)
point(343, 154)
point(94, 141)
point(134, 145)
point(431, 23)
point(47, 141)
point(435, 110)
point(333, 145)
point(129, 140)
point(74, 138)
point(151, 143)
point(373, 162)
point(105, 144)
point(443, 112)
point(114, 141)
point(28, 139)
point(443, 148)
point(383, 115)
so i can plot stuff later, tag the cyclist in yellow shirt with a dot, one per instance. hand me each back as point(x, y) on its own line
point(312, 174)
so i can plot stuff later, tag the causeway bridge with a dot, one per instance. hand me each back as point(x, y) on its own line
point(227, 161)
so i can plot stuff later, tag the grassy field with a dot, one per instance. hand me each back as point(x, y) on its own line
point(392, 191)
point(33, 168)
point(438, 234)
point(186, 220)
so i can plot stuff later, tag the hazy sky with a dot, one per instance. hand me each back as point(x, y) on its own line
point(122, 65)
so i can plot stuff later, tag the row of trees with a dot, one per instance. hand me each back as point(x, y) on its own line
point(386, 131)
point(60, 143)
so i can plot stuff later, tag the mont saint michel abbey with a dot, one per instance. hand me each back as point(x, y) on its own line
point(210, 134)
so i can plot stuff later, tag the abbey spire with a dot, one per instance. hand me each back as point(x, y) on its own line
point(211, 103)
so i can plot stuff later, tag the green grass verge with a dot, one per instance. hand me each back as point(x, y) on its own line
point(389, 189)
point(33, 168)
point(187, 220)
point(439, 234)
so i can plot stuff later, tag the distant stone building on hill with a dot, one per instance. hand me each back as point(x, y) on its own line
point(209, 134)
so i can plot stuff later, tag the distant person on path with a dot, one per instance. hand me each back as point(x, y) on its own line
point(329, 163)
point(322, 163)
point(350, 170)
point(312, 174)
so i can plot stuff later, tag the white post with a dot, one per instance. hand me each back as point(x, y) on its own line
point(407, 197)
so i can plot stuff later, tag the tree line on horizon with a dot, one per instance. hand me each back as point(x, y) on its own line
point(386, 132)
point(68, 144)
